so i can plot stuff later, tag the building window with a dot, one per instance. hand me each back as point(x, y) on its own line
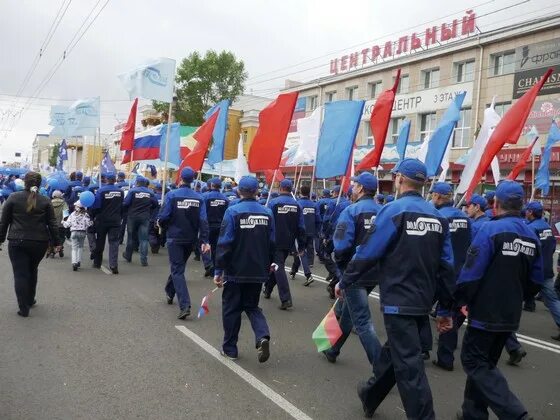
point(501, 108)
point(502, 63)
point(330, 96)
point(369, 135)
point(351, 93)
point(430, 78)
point(462, 133)
point(374, 89)
point(404, 84)
point(463, 72)
point(427, 125)
point(394, 130)
point(312, 102)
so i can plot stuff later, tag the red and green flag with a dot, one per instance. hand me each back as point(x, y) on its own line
point(327, 332)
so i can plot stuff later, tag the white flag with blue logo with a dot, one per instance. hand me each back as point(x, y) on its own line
point(82, 118)
point(152, 80)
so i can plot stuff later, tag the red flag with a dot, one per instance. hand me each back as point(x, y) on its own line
point(127, 157)
point(274, 123)
point(203, 135)
point(508, 130)
point(379, 123)
point(127, 136)
point(522, 161)
point(269, 174)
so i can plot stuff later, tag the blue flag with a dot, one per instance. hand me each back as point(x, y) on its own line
point(107, 164)
point(216, 153)
point(440, 137)
point(336, 141)
point(62, 155)
point(542, 180)
point(174, 144)
point(402, 141)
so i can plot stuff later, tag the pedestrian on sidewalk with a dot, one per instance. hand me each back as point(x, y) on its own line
point(78, 222)
point(246, 226)
point(31, 221)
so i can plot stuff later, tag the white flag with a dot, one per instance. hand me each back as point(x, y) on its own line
point(491, 119)
point(530, 137)
point(308, 130)
point(445, 164)
point(152, 80)
point(495, 165)
point(241, 168)
point(82, 118)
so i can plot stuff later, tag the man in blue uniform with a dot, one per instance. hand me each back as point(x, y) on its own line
point(322, 204)
point(246, 226)
point(411, 244)
point(138, 205)
point(289, 226)
point(489, 196)
point(228, 192)
point(121, 180)
point(460, 229)
point(354, 223)
point(380, 199)
point(475, 210)
point(123, 185)
point(263, 197)
point(216, 205)
point(505, 259)
point(107, 212)
point(154, 237)
point(184, 215)
point(312, 222)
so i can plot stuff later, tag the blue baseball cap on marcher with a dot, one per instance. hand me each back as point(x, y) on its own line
point(411, 168)
point(248, 183)
point(286, 184)
point(509, 190)
point(441, 188)
point(534, 206)
point(479, 200)
point(367, 180)
point(187, 174)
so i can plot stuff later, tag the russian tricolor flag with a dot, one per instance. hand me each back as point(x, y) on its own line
point(147, 144)
point(203, 307)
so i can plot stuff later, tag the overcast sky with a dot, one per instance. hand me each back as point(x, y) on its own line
point(278, 40)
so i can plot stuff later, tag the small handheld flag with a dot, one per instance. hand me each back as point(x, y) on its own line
point(204, 310)
point(327, 332)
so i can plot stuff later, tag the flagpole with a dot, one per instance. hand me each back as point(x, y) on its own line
point(377, 176)
point(340, 191)
point(532, 174)
point(169, 121)
point(100, 158)
point(271, 185)
point(312, 180)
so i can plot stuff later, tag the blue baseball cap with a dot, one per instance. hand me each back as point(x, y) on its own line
point(509, 190)
point(478, 199)
point(411, 168)
point(442, 188)
point(141, 180)
point(380, 197)
point(367, 180)
point(216, 181)
point(121, 175)
point(535, 207)
point(248, 183)
point(336, 189)
point(264, 193)
point(326, 192)
point(187, 174)
point(490, 195)
point(79, 175)
point(109, 175)
point(286, 184)
point(390, 198)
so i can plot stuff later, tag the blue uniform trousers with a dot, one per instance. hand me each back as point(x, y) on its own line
point(279, 276)
point(111, 234)
point(401, 362)
point(177, 283)
point(512, 344)
point(486, 387)
point(448, 341)
point(137, 233)
point(236, 299)
point(306, 260)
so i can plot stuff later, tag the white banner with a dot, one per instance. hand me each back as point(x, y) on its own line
point(152, 80)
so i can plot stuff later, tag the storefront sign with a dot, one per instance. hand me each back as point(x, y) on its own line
point(536, 56)
point(429, 100)
point(542, 114)
point(524, 80)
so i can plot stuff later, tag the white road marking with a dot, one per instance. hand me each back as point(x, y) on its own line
point(276, 398)
point(535, 342)
point(106, 270)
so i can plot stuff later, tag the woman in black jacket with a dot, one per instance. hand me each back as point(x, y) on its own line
point(32, 223)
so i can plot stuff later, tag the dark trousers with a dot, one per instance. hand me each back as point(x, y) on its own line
point(213, 235)
point(318, 247)
point(236, 299)
point(137, 233)
point(401, 363)
point(92, 239)
point(512, 343)
point(306, 260)
point(154, 237)
point(122, 229)
point(110, 233)
point(25, 257)
point(486, 387)
point(177, 282)
point(448, 341)
point(279, 276)
point(330, 265)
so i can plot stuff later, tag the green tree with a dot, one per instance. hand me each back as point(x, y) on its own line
point(54, 155)
point(203, 81)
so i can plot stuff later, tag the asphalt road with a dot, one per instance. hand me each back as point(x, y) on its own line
point(99, 346)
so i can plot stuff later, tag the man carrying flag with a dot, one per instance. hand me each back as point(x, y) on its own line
point(247, 225)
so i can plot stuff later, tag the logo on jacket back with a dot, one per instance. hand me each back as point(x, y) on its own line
point(308, 210)
point(217, 203)
point(185, 204)
point(368, 223)
point(141, 195)
point(112, 194)
point(545, 234)
point(287, 209)
point(456, 224)
point(423, 225)
point(252, 221)
point(512, 249)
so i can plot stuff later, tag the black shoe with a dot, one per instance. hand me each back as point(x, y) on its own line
point(98, 266)
point(155, 251)
point(266, 294)
point(286, 304)
point(362, 387)
point(330, 357)
point(144, 263)
point(169, 299)
point(440, 365)
point(184, 313)
point(33, 303)
point(61, 253)
point(209, 272)
point(425, 355)
point(308, 280)
point(79, 264)
point(197, 257)
point(330, 289)
point(114, 270)
point(555, 337)
point(126, 258)
point(230, 357)
point(263, 350)
point(293, 275)
point(329, 277)
point(529, 308)
point(23, 314)
point(516, 356)
point(74, 267)
point(91, 257)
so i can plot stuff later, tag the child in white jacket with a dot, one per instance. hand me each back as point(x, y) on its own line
point(78, 222)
